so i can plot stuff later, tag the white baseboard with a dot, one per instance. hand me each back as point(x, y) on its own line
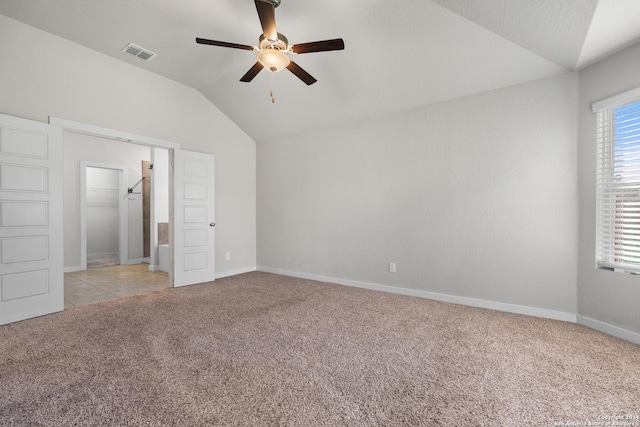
point(609, 329)
point(135, 261)
point(473, 302)
point(154, 267)
point(222, 274)
point(104, 255)
point(73, 268)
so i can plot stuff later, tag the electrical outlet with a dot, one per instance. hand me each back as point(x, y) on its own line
point(227, 256)
point(392, 267)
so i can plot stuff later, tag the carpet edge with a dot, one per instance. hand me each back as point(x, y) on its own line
point(473, 302)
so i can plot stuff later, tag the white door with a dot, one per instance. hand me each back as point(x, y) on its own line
point(31, 264)
point(193, 218)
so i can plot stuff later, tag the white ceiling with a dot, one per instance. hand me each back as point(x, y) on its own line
point(399, 54)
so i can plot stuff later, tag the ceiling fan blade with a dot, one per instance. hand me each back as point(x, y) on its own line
point(224, 44)
point(252, 73)
point(267, 15)
point(321, 46)
point(300, 73)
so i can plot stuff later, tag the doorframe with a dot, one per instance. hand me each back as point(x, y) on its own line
point(123, 209)
point(101, 132)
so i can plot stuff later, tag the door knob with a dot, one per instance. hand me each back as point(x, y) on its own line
point(213, 224)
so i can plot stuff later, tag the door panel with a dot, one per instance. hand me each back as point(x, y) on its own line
point(25, 285)
point(24, 249)
point(23, 214)
point(23, 178)
point(194, 203)
point(24, 143)
point(31, 265)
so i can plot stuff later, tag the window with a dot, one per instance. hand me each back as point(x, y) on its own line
point(618, 183)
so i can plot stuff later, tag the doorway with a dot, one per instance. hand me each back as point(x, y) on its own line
point(191, 175)
point(104, 215)
point(105, 182)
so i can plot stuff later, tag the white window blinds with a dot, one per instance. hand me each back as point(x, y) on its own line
point(618, 186)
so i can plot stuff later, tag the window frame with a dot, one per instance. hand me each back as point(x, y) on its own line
point(617, 199)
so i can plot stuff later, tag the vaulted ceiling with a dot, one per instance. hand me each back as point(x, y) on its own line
point(399, 54)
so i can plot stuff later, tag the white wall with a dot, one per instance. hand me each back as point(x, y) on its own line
point(160, 183)
point(475, 197)
point(43, 75)
point(82, 147)
point(603, 296)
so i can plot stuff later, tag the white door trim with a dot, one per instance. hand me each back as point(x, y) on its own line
point(85, 129)
point(123, 209)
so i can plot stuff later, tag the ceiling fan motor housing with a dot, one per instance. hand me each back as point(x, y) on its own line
point(281, 44)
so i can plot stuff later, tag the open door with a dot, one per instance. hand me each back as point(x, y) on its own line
point(31, 264)
point(193, 218)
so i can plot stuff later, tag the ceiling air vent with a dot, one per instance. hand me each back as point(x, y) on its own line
point(140, 52)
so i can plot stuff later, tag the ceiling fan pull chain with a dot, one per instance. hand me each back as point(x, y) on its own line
point(273, 100)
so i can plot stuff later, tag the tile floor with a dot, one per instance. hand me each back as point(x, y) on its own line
point(105, 283)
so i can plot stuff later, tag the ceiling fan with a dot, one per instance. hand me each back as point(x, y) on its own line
point(273, 48)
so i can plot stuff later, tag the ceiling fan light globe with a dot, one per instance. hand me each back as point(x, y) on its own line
point(273, 59)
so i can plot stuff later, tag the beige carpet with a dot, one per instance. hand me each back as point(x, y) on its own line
point(262, 349)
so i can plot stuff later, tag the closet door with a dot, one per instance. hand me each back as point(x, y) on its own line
point(31, 263)
point(193, 218)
